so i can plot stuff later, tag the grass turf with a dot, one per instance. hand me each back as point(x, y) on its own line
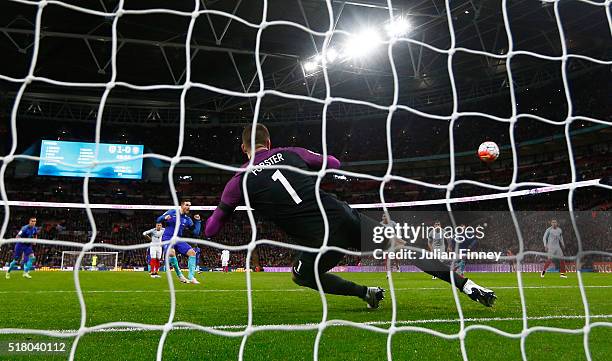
point(49, 301)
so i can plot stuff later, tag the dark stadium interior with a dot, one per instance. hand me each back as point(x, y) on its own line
point(152, 51)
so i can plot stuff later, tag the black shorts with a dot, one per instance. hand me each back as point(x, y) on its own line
point(346, 234)
point(348, 228)
point(304, 262)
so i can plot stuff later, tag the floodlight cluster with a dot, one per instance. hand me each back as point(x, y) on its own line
point(358, 45)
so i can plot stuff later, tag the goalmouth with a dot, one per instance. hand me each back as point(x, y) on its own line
point(92, 261)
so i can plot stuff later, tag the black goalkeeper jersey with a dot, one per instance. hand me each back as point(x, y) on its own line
point(287, 198)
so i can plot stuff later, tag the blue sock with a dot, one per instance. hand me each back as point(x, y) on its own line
point(191, 264)
point(174, 263)
point(29, 264)
point(12, 266)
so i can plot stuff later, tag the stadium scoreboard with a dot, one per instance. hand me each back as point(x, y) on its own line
point(74, 159)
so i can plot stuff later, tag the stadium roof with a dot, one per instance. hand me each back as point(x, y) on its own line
point(76, 47)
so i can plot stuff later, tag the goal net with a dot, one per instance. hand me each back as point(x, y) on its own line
point(84, 259)
point(90, 261)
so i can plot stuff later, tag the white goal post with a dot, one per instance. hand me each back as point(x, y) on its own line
point(103, 260)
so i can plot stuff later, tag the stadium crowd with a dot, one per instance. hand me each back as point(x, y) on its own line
point(125, 227)
point(420, 148)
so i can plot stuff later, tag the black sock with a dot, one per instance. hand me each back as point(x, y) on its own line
point(335, 285)
point(438, 269)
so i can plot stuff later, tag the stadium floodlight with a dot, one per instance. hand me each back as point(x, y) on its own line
point(332, 55)
point(310, 66)
point(362, 43)
point(398, 27)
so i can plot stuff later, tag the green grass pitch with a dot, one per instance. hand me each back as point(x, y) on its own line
point(49, 301)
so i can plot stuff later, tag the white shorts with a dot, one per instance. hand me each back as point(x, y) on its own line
point(224, 263)
point(555, 252)
point(155, 251)
point(440, 251)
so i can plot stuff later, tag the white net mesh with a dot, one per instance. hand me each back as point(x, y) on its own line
point(503, 191)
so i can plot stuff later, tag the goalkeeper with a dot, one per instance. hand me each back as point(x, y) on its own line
point(288, 200)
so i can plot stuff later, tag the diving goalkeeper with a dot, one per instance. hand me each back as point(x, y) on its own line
point(288, 200)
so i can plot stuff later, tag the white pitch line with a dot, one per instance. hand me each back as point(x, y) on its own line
point(507, 287)
point(284, 290)
point(157, 291)
point(370, 323)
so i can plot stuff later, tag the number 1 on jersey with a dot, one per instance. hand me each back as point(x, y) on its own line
point(278, 176)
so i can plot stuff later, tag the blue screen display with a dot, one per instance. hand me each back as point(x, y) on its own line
point(80, 156)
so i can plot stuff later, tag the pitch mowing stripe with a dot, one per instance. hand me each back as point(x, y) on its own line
point(285, 290)
point(338, 323)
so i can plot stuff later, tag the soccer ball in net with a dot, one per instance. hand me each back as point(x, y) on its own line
point(488, 152)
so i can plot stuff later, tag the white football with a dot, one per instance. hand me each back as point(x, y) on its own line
point(488, 152)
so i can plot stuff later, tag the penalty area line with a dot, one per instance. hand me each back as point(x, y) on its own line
point(369, 323)
point(284, 290)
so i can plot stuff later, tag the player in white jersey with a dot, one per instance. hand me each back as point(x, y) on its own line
point(553, 244)
point(225, 257)
point(155, 250)
point(435, 240)
point(393, 263)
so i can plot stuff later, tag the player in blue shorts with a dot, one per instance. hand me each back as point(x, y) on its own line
point(468, 242)
point(148, 261)
point(182, 247)
point(23, 251)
